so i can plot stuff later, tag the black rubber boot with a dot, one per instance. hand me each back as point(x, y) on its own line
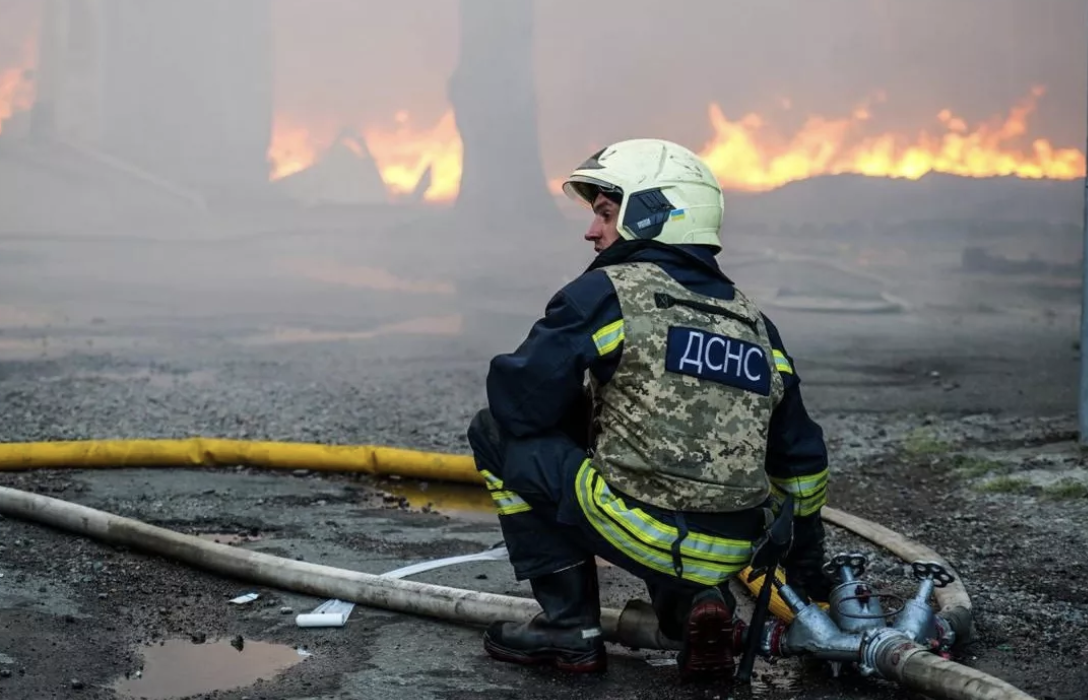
point(707, 651)
point(567, 632)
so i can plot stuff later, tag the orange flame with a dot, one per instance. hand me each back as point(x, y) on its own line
point(17, 84)
point(744, 154)
point(745, 157)
point(402, 154)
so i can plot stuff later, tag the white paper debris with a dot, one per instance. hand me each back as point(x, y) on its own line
point(331, 613)
point(247, 598)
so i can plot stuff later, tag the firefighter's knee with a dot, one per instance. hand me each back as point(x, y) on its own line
point(485, 437)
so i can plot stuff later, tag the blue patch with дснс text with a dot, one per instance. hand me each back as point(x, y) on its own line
point(718, 358)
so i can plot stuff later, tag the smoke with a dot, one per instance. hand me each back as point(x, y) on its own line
point(18, 20)
point(188, 93)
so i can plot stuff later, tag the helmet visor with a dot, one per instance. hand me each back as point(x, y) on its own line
point(586, 189)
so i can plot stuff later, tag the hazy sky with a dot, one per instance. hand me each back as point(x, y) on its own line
point(608, 69)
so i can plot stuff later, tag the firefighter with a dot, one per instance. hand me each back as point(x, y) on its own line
point(672, 459)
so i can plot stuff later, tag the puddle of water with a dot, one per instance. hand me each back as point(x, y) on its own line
point(467, 503)
point(332, 272)
point(429, 325)
point(179, 668)
point(462, 502)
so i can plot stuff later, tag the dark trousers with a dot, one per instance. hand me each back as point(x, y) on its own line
point(550, 521)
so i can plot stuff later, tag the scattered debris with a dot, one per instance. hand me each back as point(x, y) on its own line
point(246, 598)
point(331, 613)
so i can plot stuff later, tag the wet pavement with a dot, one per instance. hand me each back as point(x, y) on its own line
point(165, 631)
point(950, 423)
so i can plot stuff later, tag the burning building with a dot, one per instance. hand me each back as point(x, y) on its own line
point(193, 94)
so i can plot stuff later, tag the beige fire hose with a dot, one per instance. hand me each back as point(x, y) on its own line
point(635, 626)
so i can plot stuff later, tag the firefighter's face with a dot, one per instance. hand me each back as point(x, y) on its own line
point(602, 231)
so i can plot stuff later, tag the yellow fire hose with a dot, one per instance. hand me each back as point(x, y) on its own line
point(214, 452)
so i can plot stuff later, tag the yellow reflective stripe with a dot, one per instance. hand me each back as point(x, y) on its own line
point(507, 502)
point(801, 506)
point(515, 508)
point(631, 532)
point(491, 481)
point(702, 546)
point(611, 506)
point(802, 486)
point(781, 362)
point(636, 551)
point(609, 337)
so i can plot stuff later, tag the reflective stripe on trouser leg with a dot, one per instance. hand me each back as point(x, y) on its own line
point(506, 502)
point(704, 559)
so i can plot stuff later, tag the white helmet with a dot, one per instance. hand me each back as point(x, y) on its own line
point(666, 193)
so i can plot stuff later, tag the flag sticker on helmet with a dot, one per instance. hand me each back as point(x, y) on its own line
point(718, 358)
point(676, 215)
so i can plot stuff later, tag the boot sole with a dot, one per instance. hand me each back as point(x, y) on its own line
point(562, 659)
point(708, 640)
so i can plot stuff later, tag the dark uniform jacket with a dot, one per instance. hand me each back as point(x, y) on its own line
point(537, 387)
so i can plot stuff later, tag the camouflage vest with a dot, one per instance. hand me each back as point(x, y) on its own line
point(683, 422)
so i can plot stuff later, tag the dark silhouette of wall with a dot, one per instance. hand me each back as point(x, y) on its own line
point(494, 98)
point(187, 90)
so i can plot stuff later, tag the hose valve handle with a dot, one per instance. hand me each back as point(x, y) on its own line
point(932, 575)
point(932, 570)
point(846, 567)
point(917, 619)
